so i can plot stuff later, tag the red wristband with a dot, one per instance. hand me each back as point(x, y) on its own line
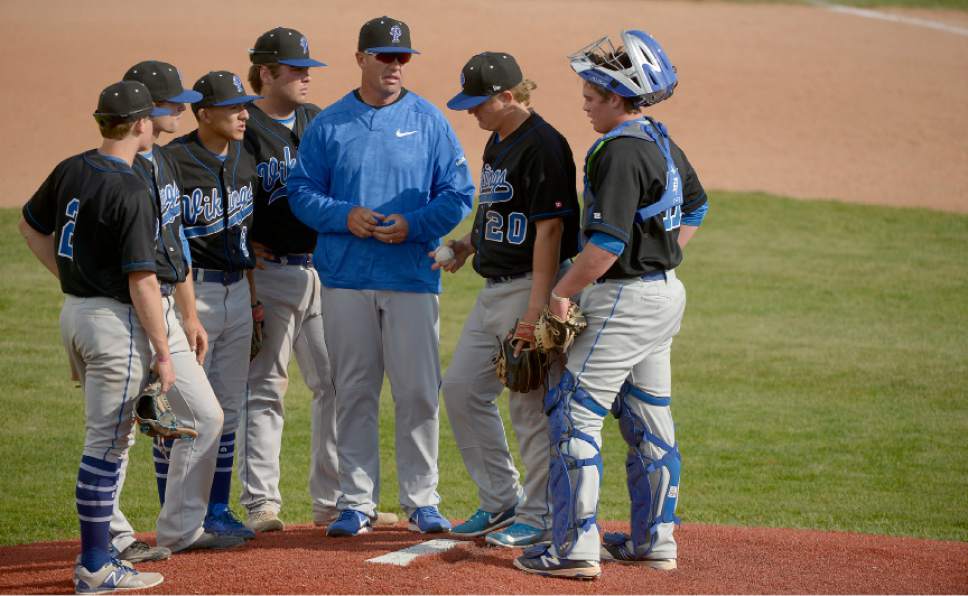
point(162, 359)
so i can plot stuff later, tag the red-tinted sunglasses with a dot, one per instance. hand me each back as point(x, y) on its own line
point(389, 57)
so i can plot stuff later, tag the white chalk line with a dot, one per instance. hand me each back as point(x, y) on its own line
point(894, 18)
point(405, 556)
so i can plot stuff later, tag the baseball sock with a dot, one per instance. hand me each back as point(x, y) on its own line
point(222, 482)
point(161, 452)
point(97, 485)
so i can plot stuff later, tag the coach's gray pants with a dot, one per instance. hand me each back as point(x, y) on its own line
point(369, 332)
point(629, 338)
point(290, 295)
point(191, 462)
point(471, 389)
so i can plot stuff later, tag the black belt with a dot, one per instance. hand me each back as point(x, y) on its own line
point(303, 259)
point(500, 279)
point(650, 276)
point(215, 276)
point(167, 289)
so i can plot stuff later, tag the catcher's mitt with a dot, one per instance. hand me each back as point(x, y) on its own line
point(258, 324)
point(554, 334)
point(153, 414)
point(526, 371)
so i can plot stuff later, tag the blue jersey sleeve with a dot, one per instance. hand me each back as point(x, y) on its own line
point(607, 242)
point(308, 186)
point(451, 191)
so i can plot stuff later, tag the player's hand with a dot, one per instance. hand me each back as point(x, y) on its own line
point(261, 252)
point(362, 221)
point(523, 336)
point(462, 250)
point(197, 338)
point(166, 373)
point(559, 307)
point(394, 229)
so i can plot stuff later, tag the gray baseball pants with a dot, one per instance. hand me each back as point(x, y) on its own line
point(471, 389)
point(369, 332)
point(290, 295)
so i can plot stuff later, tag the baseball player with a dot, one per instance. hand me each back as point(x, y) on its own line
point(218, 178)
point(640, 191)
point(192, 463)
point(526, 224)
point(381, 177)
point(92, 224)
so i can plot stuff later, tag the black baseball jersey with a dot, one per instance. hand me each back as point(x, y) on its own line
point(217, 203)
point(626, 174)
point(159, 174)
point(527, 177)
point(273, 146)
point(103, 223)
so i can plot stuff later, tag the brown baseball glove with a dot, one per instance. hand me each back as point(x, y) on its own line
point(526, 371)
point(153, 414)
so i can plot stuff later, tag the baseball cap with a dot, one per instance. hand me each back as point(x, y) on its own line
point(385, 35)
point(484, 75)
point(282, 46)
point(128, 100)
point(163, 82)
point(221, 88)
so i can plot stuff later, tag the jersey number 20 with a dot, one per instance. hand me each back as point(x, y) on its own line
point(517, 227)
point(66, 246)
point(672, 218)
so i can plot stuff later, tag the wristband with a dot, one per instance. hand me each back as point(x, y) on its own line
point(162, 359)
point(559, 298)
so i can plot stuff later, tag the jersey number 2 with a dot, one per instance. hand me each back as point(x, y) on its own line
point(517, 227)
point(66, 246)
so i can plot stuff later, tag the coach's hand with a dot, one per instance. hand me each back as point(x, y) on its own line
point(362, 221)
point(394, 229)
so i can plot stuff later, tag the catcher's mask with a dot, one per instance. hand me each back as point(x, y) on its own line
point(638, 70)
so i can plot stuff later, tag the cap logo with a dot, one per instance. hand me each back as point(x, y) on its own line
point(238, 84)
point(304, 44)
point(396, 32)
point(496, 87)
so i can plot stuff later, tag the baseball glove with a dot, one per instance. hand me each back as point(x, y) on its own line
point(153, 414)
point(554, 334)
point(258, 323)
point(526, 371)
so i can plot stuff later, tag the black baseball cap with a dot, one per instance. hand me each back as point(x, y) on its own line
point(283, 46)
point(163, 82)
point(385, 35)
point(222, 88)
point(484, 75)
point(127, 100)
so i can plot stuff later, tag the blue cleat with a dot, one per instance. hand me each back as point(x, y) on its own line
point(519, 535)
point(427, 520)
point(349, 523)
point(221, 520)
point(483, 522)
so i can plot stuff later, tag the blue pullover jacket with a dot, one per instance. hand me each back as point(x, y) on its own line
point(402, 158)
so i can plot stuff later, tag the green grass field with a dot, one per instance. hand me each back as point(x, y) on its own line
point(819, 381)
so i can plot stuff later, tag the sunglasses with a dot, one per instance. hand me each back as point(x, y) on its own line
point(389, 57)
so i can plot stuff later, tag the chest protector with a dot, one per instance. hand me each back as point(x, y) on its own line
point(652, 131)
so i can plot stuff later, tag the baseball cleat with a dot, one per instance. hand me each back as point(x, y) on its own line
point(139, 552)
point(209, 541)
point(265, 521)
point(617, 547)
point(383, 518)
point(114, 575)
point(483, 522)
point(427, 520)
point(350, 523)
point(222, 520)
point(518, 535)
point(540, 561)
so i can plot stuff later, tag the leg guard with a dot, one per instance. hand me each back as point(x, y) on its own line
point(653, 483)
point(565, 470)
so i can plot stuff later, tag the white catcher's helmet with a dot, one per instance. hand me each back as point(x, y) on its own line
point(638, 70)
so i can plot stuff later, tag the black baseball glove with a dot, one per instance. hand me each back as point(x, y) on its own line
point(528, 370)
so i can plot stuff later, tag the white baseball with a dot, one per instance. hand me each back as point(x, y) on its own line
point(444, 254)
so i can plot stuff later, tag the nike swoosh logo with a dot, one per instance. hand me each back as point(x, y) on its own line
point(400, 134)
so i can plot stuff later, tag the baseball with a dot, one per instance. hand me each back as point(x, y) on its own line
point(444, 254)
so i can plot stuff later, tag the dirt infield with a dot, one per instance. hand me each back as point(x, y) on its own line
point(713, 560)
point(794, 100)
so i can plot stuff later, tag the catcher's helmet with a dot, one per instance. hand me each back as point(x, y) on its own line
point(639, 70)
